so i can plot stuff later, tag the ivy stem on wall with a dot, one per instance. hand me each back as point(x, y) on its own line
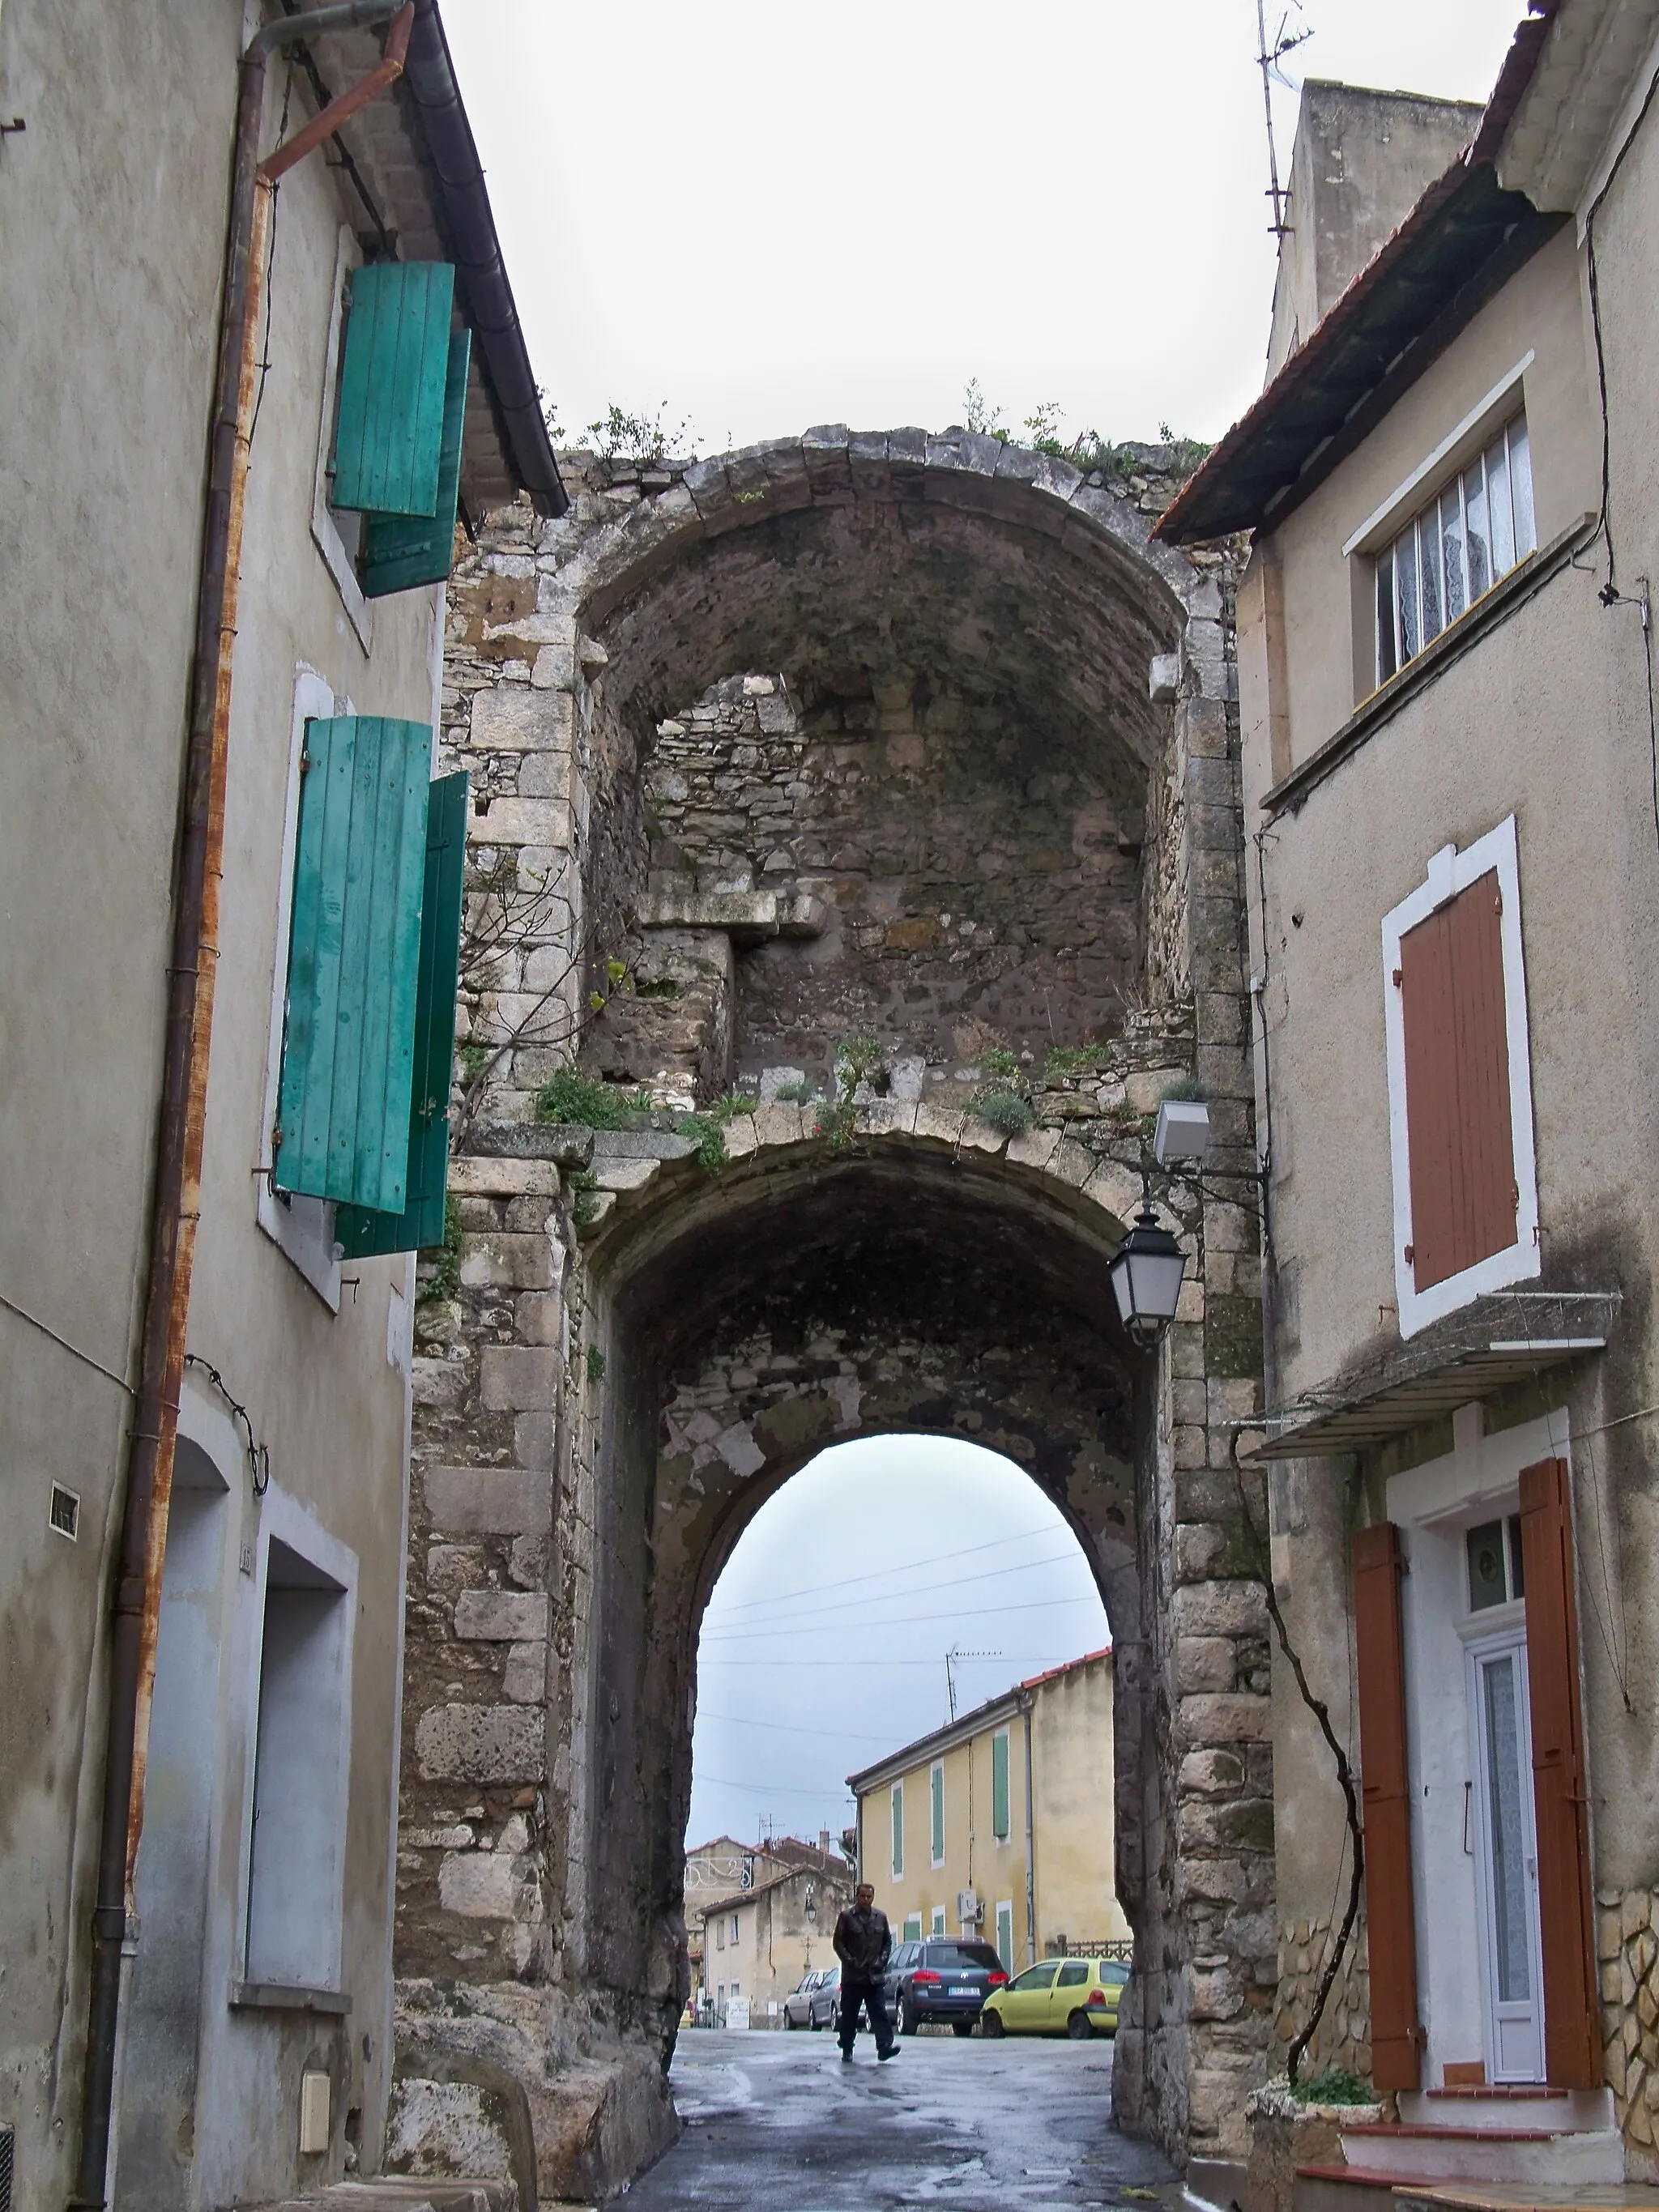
point(1345, 1776)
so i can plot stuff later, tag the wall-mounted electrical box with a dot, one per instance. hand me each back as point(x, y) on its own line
point(313, 2114)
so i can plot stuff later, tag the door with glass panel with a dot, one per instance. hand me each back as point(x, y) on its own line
point(1505, 1849)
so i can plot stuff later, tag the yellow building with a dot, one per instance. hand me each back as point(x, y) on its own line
point(1001, 1823)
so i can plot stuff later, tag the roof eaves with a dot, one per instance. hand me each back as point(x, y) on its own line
point(1519, 67)
point(1421, 285)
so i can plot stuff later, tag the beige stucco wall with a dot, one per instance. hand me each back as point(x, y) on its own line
point(1073, 1838)
point(112, 237)
point(775, 1944)
point(1544, 718)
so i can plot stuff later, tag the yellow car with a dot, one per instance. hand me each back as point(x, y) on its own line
point(1076, 1997)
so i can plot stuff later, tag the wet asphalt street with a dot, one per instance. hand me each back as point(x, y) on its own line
point(776, 2122)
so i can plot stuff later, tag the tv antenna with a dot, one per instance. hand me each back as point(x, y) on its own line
point(1269, 54)
point(953, 1659)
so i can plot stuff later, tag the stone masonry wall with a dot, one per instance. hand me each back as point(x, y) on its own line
point(579, 858)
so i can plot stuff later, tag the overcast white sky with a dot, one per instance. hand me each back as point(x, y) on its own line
point(769, 215)
point(824, 1646)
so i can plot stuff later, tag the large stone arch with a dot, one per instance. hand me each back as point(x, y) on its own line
point(565, 1532)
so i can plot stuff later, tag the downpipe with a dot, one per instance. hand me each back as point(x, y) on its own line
point(176, 1205)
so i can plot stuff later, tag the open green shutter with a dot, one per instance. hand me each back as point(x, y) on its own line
point(998, 1786)
point(401, 552)
point(394, 370)
point(936, 1792)
point(360, 1233)
point(353, 962)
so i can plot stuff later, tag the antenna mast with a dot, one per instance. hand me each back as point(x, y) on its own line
point(1267, 58)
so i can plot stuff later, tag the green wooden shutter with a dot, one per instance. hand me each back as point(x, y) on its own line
point(353, 962)
point(393, 371)
point(898, 1828)
point(936, 1795)
point(401, 552)
point(359, 1233)
point(1000, 1786)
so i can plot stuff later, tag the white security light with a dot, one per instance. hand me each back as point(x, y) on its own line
point(1183, 1132)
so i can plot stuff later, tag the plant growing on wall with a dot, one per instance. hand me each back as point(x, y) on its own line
point(618, 435)
point(445, 1277)
point(857, 1059)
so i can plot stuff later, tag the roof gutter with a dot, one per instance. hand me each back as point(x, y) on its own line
point(176, 1203)
point(491, 310)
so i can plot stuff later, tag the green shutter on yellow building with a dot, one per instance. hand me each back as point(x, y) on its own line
point(1000, 1786)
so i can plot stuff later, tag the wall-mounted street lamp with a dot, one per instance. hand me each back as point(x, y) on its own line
point(811, 1910)
point(1148, 1266)
point(1146, 1272)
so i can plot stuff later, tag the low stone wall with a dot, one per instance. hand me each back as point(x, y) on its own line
point(1627, 1949)
point(1343, 2037)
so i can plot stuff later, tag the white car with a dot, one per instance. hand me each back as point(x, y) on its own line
point(798, 2005)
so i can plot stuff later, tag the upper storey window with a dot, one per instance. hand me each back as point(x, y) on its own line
point(1455, 549)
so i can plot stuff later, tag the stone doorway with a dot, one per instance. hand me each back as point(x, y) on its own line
point(905, 739)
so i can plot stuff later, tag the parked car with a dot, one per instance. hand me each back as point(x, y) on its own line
point(826, 1999)
point(1076, 1997)
point(941, 1978)
point(798, 2005)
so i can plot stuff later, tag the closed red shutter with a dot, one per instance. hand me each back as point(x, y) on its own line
point(1457, 1084)
point(1572, 2039)
point(1391, 1931)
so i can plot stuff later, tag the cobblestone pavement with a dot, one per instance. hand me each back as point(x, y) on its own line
point(778, 2123)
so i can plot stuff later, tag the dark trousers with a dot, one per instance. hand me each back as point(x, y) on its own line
point(870, 1996)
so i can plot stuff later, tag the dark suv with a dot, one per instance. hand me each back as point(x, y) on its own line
point(938, 1978)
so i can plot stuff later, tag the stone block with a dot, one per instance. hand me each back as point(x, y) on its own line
point(512, 720)
point(512, 1377)
point(1204, 1663)
point(507, 1262)
point(479, 1885)
point(780, 1124)
point(1034, 1149)
point(441, 1384)
point(1216, 1609)
point(495, 1616)
point(471, 1177)
point(614, 1174)
point(535, 1437)
point(480, 1743)
point(640, 1145)
point(488, 1501)
point(564, 1143)
point(525, 1678)
point(1208, 1720)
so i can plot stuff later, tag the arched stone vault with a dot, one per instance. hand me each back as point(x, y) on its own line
point(628, 1368)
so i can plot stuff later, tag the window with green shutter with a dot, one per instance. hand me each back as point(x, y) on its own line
point(347, 1086)
point(898, 1828)
point(359, 1232)
point(394, 376)
point(401, 552)
point(936, 1797)
point(1000, 1786)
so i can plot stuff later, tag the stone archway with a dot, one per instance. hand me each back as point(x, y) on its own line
point(567, 1522)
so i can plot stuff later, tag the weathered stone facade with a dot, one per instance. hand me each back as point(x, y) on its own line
point(1627, 1948)
point(840, 736)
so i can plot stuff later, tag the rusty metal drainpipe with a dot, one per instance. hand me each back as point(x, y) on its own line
point(136, 1615)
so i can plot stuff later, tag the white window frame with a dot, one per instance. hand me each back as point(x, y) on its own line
point(896, 1814)
point(1450, 872)
point(302, 1228)
point(325, 531)
point(936, 1796)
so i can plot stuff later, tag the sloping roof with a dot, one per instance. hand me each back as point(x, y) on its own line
point(1465, 237)
point(416, 189)
point(958, 1731)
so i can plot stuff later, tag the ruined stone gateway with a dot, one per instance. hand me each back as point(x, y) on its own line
point(907, 740)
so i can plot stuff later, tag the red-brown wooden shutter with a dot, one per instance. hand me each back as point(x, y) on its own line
point(1572, 2037)
point(1457, 1084)
point(1397, 2038)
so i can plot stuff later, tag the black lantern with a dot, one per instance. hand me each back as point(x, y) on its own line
point(812, 1908)
point(1146, 1272)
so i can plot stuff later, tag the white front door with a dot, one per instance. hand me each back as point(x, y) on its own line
point(1506, 1858)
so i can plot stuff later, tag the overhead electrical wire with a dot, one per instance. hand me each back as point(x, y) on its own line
point(1029, 1605)
point(887, 1574)
point(714, 1629)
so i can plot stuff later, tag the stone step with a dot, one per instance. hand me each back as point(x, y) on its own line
point(1511, 2105)
point(399, 2193)
point(1341, 2189)
point(1412, 2152)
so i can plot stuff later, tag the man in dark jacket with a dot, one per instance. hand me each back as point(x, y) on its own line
point(864, 1943)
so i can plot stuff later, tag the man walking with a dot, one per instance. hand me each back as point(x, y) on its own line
point(863, 1943)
